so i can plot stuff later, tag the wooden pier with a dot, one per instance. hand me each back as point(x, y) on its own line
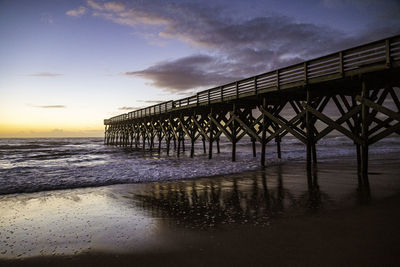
point(357, 82)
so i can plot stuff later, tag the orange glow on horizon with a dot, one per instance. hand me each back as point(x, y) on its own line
point(34, 131)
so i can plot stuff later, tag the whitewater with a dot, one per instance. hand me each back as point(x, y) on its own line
point(34, 165)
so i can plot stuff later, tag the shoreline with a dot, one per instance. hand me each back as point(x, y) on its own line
point(350, 163)
point(361, 236)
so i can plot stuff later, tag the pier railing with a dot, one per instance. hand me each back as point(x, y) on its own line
point(346, 63)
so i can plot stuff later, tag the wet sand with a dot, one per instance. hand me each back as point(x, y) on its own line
point(278, 216)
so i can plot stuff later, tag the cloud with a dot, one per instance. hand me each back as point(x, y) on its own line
point(51, 106)
point(45, 74)
point(150, 101)
point(93, 4)
point(185, 73)
point(129, 108)
point(114, 6)
point(232, 48)
point(76, 12)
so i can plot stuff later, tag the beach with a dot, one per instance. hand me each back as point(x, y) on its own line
point(276, 216)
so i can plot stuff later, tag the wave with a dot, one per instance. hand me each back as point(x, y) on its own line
point(74, 163)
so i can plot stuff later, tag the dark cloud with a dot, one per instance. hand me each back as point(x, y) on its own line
point(234, 48)
point(185, 73)
point(45, 74)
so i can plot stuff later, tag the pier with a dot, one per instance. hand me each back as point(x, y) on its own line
point(358, 83)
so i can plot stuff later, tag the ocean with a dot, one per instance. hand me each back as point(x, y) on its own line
point(42, 164)
point(65, 197)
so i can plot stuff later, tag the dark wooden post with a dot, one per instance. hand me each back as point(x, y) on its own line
point(308, 131)
point(174, 138)
point(364, 131)
point(106, 137)
point(112, 137)
point(253, 142)
point(193, 133)
point(218, 150)
point(105, 134)
point(124, 137)
point(168, 139)
point(264, 133)
point(179, 142)
point(159, 136)
point(120, 138)
point(183, 133)
point(132, 133)
point(278, 146)
point(151, 140)
point(210, 128)
point(144, 139)
point(357, 126)
point(314, 149)
point(233, 134)
point(137, 137)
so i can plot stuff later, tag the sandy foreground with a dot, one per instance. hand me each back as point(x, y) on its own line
point(278, 216)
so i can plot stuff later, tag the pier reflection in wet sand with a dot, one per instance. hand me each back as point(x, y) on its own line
point(250, 198)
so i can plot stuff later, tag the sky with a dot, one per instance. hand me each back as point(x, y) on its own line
point(67, 65)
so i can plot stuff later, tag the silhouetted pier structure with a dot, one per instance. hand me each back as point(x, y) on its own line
point(357, 82)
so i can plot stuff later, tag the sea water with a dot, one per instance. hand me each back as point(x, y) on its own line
point(33, 165)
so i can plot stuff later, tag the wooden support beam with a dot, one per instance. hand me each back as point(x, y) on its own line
point(221, 128)
point(247, 128)
point(334, 124)
point(382, 124)
point(384, 133)
point(183, 127)
point(201, 130)
point(368, 103)
point(395, 98)
point(281, 131)
point(339, 121)
point(287, 126)
point(211, 137)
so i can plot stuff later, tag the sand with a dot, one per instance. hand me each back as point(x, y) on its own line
point(274, 216)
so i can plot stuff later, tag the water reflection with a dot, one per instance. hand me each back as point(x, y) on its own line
point(253, 198)
point(363, 190)
point(314, 194)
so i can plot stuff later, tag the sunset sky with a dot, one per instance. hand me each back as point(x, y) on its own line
point(66, 65)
